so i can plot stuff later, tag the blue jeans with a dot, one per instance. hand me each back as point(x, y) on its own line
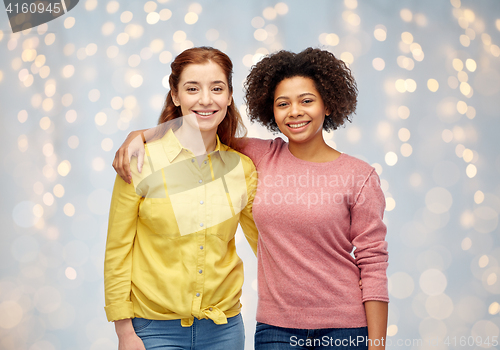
point(204, 334)
point(269, 337)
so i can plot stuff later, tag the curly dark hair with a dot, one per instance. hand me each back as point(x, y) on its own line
point(331, 76)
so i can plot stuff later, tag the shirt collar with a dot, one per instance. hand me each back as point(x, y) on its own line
point(173, 147)
point(221, 149)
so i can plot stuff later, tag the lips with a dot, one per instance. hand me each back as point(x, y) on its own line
point(205, 114)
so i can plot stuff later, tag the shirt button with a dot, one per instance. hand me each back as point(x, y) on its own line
point(205, 162)
point(210, 309)
point(201, 224)
point(200, 271)
point(197, 294)
point(201, 247)
point(200, 181)
point(201, 202)
point(192, 160)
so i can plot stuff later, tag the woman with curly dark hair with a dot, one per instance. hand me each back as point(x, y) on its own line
point(313, 205)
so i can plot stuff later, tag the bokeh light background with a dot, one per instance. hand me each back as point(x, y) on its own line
point(429, 98)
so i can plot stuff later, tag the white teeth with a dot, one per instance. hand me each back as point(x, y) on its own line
point(205, 113)
point(297, 125)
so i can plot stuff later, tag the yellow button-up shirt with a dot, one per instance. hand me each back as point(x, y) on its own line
point(170, 252)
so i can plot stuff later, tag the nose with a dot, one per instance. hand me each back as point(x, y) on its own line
point(205, 98)
point(295, 110)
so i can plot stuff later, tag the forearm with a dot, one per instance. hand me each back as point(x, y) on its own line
point(137, 132)
point(124, 328)
point(376, 317)
point(127, 339)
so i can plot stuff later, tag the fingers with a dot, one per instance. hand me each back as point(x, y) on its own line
point(121, 163)
point(115, 161)
point(117, 164)
point(140, 159)
point(120, 160)
point(125, 166)
point(119, 168)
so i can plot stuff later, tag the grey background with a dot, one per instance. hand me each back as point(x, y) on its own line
point(444, 273)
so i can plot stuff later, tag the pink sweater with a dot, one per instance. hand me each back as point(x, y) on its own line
point(310, 216)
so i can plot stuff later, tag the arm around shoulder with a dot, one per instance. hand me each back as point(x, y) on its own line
point(255, 148)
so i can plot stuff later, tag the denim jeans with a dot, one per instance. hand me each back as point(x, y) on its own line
point(204, 334)
point(269, 337)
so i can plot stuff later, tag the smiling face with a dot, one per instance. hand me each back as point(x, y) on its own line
point(299, 110)
point(203, 91)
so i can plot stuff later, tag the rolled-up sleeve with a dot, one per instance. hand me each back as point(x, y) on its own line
point(368, 233)
point(122, 228)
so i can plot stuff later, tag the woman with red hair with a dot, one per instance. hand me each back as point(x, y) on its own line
point(172, 276)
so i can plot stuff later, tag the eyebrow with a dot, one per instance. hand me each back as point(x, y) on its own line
point(213, 82)
point(301, 95)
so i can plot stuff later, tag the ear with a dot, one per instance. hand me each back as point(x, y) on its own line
point(175, 99)
point(327, 112)
point(230, 99)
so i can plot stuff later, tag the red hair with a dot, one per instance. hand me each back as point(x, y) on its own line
point(232, 123)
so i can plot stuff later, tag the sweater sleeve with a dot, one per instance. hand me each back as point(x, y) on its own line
point(122, 226)
point(368, 233)
point(255, 149)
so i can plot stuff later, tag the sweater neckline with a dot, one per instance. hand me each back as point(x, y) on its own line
point(309, 163)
